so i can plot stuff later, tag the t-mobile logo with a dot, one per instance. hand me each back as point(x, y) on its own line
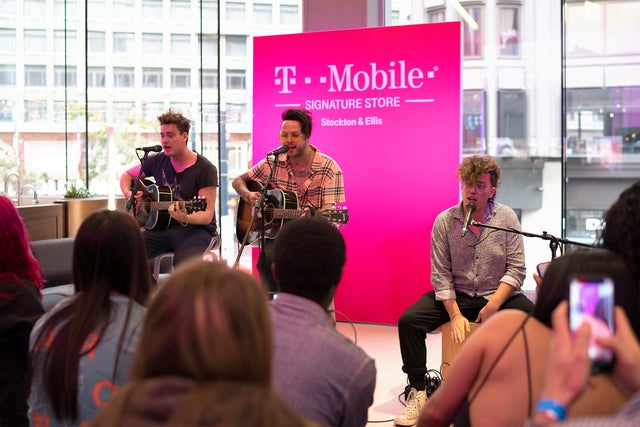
point(285, 76)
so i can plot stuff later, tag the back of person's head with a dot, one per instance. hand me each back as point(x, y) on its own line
point(109, 255)
point(309, 255)
point(16, 260)
point(207, 322)
point(621, 233)
point(590, 263)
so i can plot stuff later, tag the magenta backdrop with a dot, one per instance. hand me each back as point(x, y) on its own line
point(386, 106)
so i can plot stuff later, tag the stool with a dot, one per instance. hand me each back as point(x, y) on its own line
point(449, 348)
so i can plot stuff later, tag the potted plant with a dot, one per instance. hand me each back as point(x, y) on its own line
point(79, 203)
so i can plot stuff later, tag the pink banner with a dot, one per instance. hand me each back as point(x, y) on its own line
point(386, 106)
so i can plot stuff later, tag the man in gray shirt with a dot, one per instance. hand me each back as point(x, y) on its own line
point(475, 271)
point(317, 371)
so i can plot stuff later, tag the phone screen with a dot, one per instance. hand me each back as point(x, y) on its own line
point(542, 267)
point(591, 300)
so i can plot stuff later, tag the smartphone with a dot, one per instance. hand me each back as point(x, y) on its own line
point(591, 300)
point(542, 267)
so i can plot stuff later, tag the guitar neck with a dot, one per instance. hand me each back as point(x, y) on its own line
point(285, 213)
point(163, 206)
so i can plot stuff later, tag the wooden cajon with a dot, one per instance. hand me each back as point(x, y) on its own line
point(449, 348)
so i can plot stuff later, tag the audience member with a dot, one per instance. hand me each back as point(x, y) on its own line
point(621, 233)
point(501, 359)
point(316, 370)
point(204, 357)
point(475, 271)
point(82, 349)
point(20, 307)
point(568, 374)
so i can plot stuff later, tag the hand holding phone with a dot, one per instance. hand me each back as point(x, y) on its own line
point(591, 300)
point(542, 267)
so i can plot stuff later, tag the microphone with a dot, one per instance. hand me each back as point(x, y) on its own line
point(471, 207)
point(152, 149)
point(280, 150)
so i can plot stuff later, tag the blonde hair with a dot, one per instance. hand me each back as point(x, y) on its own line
point(207, 322)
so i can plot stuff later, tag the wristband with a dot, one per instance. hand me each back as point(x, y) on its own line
point(552, 408)
point(454, 316)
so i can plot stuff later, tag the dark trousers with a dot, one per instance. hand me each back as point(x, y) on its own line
point(265, 259)
point(184, 242)
point(428, 314)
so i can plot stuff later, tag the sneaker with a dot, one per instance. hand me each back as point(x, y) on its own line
point(415, 402)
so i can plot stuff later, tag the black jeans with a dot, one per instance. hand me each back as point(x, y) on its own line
point(428, 314)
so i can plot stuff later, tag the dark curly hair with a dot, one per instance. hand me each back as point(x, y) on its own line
point(621, 233)
point(302, 116)
point(309, 254)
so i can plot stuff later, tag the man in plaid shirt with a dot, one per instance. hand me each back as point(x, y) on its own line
point(314, 177)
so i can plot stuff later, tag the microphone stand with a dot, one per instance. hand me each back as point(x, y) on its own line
point(258, 210)
point(554, 242)
point(134, 183)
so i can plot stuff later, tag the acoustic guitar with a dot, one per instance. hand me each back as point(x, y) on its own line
point(279, 205)
point(152, 211)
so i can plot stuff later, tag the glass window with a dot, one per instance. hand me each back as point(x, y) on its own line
point(8, 39)
point(151, 44)
point(180, 78)
point(262, 14)
point(472, 31)
point(35, 110)
point(289, 15)
point(35, 7)
point(96, 9)
point(152, 77)
point(210, 113)
point(97, 111)
point(35, 75)
point(59, 41)
point(180, 44)
point(59, 7)
point(236, 112)
point(123, 111)
point(236, 79)
point(151, 111)
point(210, 79)
point(122, 8)
point(6, 110)
point(236, 11)
point(7, 75)
point(473, 122)
point(512, 123)
point(35, 41)
point(209, 12)
point(96, 76)
point(123, 43)
point(209, 45)
point(152, 9)
point(180, 10)
point(123, 76)
point(97, 42)
point(236, 46)
point(59, 76)
point(8, 6)
point(509, 30)
point(436, 15)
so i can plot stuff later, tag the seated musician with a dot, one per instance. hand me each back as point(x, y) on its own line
point(178, 213)
point(475, 272)
point(314, 177)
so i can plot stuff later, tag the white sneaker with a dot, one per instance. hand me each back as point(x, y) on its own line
point(415, 402)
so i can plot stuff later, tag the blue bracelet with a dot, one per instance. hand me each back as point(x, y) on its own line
point(552, 408)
